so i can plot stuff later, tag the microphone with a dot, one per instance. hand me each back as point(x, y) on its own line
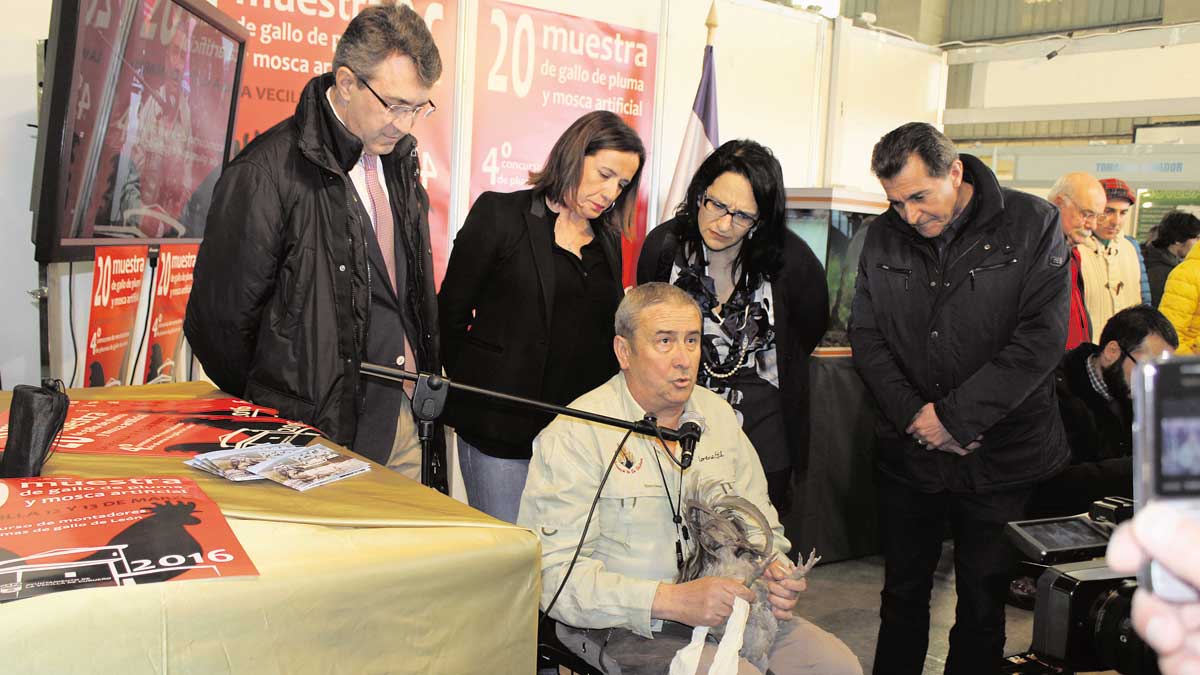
point(690, 428)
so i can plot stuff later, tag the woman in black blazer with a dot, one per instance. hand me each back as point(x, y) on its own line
point(528, 300)
point(762, 294)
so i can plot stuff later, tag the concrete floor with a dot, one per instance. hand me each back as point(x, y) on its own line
point(843, 598)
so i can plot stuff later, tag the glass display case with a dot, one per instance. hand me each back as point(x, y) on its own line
point(833, 222)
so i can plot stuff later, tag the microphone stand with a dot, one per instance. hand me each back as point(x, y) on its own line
point(429, 398)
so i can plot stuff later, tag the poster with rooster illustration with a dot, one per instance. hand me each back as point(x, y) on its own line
point(60, 534)
point(171, 428)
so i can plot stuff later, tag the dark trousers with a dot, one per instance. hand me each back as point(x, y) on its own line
point(911, 527)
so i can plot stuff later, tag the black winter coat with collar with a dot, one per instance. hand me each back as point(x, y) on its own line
point(285, 291)
point(979, 337)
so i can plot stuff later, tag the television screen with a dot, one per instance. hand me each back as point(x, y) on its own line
point(136, 122)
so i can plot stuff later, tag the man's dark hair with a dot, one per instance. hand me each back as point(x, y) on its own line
point(931, 145)
point(1176, 227)
point(1132, 325)
point(382, 31)
point(761, 254)
point(595, 131)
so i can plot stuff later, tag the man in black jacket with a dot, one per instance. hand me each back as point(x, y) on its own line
point(317, 255)
point(1094, 398)
point(958, 321)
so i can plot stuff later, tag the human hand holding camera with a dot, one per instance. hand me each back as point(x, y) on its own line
point(1162, 534)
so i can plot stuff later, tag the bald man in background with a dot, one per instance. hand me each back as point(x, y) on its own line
point(1080, 200)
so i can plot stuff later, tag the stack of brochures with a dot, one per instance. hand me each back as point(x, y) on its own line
point(296, 467)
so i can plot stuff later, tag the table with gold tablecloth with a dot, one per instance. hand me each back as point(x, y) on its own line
point(373, 574)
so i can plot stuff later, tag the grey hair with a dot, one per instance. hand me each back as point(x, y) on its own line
point(892, 151)
point(641, 297)
point(382, 31)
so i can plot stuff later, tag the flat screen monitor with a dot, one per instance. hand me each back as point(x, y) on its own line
point(136, 123)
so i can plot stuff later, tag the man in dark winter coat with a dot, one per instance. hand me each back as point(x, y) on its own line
point(1094, 398)
point(317, 257)
point(958, 321)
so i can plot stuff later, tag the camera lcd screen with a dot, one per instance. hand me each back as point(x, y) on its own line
point(1179, 439)
point(1064, 534)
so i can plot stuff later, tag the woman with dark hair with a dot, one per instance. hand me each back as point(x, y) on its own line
point(763, 296)
point(527, 303)
point(1174, 238)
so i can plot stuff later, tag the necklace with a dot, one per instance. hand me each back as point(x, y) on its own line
point(741, 361)
point(742, 351)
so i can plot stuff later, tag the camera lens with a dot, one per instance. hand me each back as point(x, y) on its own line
point(1113, 636)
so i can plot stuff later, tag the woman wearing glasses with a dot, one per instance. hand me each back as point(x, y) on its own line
point(527, 304)
point(762, 294)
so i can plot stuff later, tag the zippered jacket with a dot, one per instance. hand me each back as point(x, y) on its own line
point(285, 296)
point(978, 335)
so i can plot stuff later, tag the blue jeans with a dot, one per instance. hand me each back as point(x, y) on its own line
point(494, 485)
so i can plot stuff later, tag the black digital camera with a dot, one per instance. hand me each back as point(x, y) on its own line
point(1081, 619)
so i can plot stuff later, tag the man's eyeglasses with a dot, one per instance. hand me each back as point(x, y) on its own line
point(740, 219)
point(398, 111)
point(1126, 354)
point(1087, 214)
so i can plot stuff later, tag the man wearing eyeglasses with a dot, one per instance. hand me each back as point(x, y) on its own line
point(1080, 201)
point(1095, 400)
point(958, 320)
point(317, 257)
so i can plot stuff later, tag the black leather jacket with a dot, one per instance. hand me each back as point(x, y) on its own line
point(979, 337)
point(281, 304)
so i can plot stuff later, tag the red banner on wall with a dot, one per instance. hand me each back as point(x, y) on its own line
point(116, 290)
point(538, 71)
point(290, 42)
point(172, 286)
point(62, 534)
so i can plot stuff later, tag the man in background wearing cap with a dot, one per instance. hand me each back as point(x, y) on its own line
point(1114, 275)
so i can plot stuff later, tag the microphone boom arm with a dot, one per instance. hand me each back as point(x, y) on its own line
point(430, 397)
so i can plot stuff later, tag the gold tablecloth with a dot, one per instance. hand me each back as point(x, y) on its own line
point(373, 574)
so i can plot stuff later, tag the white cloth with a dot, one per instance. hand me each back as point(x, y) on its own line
point(725, 662)
point(687, 659)
point(630, 545)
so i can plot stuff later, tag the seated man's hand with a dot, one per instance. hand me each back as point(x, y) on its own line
point(783, 590)
point(704, 602)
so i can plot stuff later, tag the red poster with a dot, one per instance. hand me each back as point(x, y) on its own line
point(116, 291)
point(172, 286)
point(537, 71)
point(61, 534)
point(292, 42)
point(171, 428)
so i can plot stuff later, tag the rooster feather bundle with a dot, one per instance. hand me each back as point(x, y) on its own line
point(721, 527)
